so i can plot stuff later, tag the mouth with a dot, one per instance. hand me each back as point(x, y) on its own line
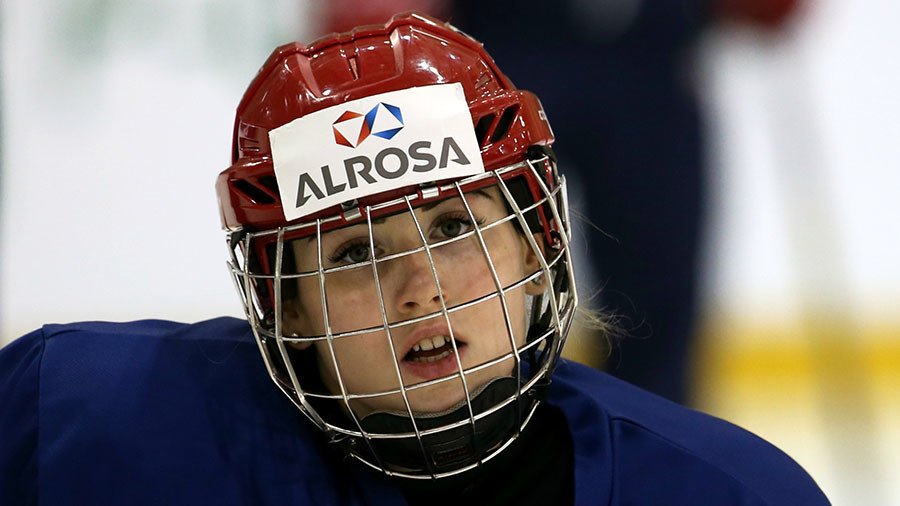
point(432, 354)
point(432, 349)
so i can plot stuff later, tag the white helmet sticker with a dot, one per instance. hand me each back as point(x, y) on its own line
point(374, 144)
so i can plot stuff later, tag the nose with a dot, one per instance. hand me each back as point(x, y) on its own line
point(416, 289)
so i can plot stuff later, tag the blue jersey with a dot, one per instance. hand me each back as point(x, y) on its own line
point(156, 412)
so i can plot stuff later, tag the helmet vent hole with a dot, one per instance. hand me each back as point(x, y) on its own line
point(482, 127)
point(483, 80)
point(270, 183)
point(257, 195)
point(354, 66)
point(248, 145)
point(504, 123)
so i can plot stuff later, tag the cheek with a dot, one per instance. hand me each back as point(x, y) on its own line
point(364, 362)
point(466, 276)
point(352, 304)
point(466, 266)
point(508, 261)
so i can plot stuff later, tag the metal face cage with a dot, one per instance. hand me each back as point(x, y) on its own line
point(420, 338)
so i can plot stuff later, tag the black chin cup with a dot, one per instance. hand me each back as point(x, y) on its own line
point(451, 449)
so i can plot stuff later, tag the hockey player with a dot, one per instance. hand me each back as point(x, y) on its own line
point(399, 238)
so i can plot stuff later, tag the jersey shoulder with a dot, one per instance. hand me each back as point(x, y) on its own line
point(658, 450)
point(171, 413)
point(222, 328)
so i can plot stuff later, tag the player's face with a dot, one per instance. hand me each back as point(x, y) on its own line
point(365, 363)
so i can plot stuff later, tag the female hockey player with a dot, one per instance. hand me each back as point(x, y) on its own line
point(399, 239)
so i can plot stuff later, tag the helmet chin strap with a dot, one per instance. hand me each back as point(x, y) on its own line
point(455, 448)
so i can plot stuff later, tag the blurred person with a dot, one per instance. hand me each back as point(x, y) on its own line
point(615, 77)
point(404, 265)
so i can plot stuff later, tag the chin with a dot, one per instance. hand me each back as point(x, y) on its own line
point(449, 394)
point(437, 398)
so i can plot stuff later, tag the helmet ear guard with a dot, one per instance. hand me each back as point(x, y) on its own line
point(526, 191)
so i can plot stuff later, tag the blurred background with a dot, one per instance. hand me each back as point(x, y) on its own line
point(740, 157)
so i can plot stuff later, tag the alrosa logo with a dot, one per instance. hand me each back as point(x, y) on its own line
point(390, 163)
point(372, 145)
point(384, 120)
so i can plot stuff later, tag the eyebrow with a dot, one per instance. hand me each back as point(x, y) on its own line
point(480, 191)
point(427, 207)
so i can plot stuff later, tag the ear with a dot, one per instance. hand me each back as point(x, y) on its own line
point(292, 319)
point(532, 264)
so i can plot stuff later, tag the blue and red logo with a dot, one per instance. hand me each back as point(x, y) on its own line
point(384, 120)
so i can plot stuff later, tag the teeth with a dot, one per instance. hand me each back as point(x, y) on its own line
point(435, 358)
point(430, 343)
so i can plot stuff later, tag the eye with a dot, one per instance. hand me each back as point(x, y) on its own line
point(352, 253)
point(357, 254)
point(452, 225)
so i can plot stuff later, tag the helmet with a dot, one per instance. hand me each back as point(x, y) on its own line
point(327, 159)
